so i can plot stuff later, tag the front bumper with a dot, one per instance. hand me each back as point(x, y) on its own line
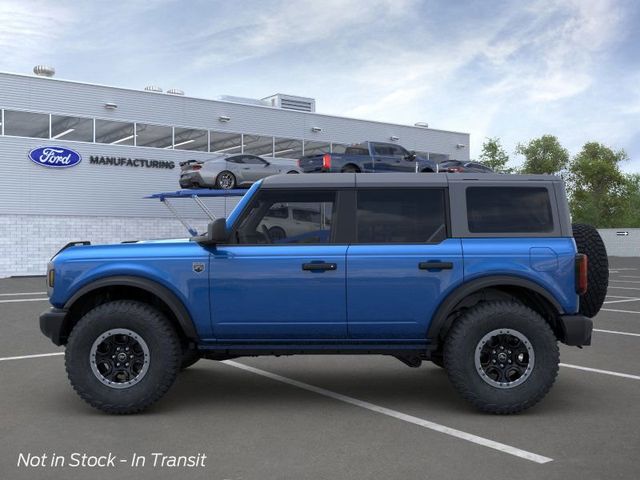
point(53, 324)
point(575, 330)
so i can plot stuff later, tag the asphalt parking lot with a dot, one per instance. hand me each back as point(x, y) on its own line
point(319, 417)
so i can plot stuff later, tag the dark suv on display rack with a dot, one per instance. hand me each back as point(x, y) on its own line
point(481, 274)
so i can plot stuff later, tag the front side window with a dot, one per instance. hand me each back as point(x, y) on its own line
point(401, 216)
point(509, 210)
point(288, 218)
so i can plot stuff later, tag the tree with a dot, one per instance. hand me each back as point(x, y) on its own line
point(494, 156)
point(600, 192)
point(543, 155)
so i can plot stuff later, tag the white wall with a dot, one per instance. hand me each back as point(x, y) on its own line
point(621, 245)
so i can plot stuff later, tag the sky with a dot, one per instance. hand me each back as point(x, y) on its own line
point(513, 70)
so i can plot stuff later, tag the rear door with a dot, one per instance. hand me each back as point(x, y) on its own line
point(402, 263)
point(278, 281)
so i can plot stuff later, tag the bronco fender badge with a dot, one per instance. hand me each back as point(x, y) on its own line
point(198, 267)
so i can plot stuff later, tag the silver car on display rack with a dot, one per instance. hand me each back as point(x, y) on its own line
point(230, 171)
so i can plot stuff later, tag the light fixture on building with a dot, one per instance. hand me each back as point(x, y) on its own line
point(316, 129)
point(421, 124)
point(153, 88)
point(110, 106)
point(62, 134)
point(224, 118)
point(123, 139)
point(183, 143)
point(460, 145)
point(175, 91)
point(394, 138)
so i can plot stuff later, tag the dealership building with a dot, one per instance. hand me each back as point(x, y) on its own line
point(129, 144)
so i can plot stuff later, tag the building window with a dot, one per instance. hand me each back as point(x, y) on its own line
point(26, 124)
point(71, 128)
point(401, 216)
point(287, 148)
point(509, 210)
point(316, 148)
point(223, 142)
point(157, 136)
point(115, 133)
point(191, 139)
point(257, 145)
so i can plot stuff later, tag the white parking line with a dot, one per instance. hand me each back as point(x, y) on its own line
point(623, 288)
point(24, 293)
point(611, 270)
point(597, 370)
point(628, 299)
point(39, 355)
point(625, 281)
point(485, 442)
point(617, 332)
point(629, 276)
point(17, 300)
point(618, 311)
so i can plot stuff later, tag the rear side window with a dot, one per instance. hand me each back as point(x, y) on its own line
point(401, 216)
point(509, 210)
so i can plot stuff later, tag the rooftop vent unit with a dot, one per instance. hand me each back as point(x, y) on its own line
point(291, 102)
point(44, 71)
point(175, 91)
point(243, 100)
point(153, 88)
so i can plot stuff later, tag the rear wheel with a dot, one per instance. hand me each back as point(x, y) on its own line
point(350, 169)
point(277, 234)
point(292, 172)
point(122, 356)
point(589, 242)
point(225, 180)
point(502, 357)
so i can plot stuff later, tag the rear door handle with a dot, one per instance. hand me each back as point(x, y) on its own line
point(320, 266)
point(435, 265)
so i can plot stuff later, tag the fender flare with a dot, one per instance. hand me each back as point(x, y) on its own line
point(163, 293)
point(439, 319)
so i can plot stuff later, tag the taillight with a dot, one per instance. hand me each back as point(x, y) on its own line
point(455, 169)
point(196, 167)
point(582, 262)
point(299, 163)
point(326, 161)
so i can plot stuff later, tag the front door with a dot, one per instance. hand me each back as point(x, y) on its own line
point(402, 263)
point(281, 281)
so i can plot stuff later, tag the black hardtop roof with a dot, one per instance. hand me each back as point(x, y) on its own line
point(344, 180)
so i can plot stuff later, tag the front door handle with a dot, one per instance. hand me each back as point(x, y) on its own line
point(435, 265)
point(320, 266)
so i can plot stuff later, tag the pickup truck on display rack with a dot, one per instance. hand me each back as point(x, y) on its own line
point(481, 274)
point(368, 157)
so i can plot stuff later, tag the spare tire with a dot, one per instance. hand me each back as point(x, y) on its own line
point(590, 243)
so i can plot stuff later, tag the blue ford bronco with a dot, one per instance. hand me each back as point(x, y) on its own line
point(481, 274)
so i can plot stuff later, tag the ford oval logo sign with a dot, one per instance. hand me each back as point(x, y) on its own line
point(55, 157)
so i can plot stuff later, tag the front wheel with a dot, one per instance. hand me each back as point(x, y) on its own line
point(502, 357)
point(122, 356)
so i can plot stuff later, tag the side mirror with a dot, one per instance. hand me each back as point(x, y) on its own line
point(216, 233)
point(411, 157)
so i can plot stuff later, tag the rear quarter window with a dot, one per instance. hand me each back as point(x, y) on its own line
point(509, 210)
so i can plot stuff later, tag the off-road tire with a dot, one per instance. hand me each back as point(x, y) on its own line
point(464, 338)
point(437, 359)
point(350, 169)
point(590, 243)
point(165, 355)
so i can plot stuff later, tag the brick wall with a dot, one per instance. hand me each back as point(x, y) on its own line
point(27, 242)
